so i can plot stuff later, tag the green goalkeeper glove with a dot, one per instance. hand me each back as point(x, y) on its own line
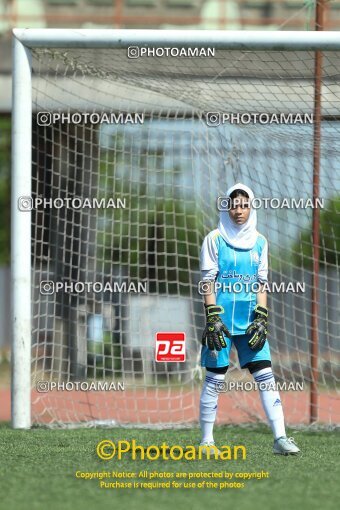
point(214, 329)
point(258, 328)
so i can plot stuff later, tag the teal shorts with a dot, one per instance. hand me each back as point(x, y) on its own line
point(215, 359)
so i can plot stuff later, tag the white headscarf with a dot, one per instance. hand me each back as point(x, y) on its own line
point(239, 236)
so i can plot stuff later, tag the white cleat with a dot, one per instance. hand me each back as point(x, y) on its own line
point(285, 446)
point(209, 446)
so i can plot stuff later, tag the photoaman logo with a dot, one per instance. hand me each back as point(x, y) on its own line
point(107, 450)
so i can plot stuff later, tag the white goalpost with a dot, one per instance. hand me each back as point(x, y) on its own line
point(121, 146)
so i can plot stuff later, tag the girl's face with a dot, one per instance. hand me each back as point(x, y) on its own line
point(239, 210)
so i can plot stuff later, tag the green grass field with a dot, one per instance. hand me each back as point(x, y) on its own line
point(38, 471)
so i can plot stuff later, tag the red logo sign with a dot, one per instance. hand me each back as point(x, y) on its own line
point(170, 347)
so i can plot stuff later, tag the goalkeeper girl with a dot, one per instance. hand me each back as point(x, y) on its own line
point(237, 252)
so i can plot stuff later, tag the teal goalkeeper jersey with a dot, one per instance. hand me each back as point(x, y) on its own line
point(238, 277)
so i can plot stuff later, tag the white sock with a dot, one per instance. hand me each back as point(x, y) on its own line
point(271, 401)
point(208, 405)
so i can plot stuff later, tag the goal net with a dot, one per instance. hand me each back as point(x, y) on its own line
point(127, 168)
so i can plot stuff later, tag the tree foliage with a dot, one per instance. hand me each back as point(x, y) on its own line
point(302, 251)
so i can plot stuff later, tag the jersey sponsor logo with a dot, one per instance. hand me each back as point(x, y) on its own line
point(226, 275)
point(170, 347)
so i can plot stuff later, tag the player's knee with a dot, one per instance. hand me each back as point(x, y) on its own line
point(255, 366)
point(218, 370)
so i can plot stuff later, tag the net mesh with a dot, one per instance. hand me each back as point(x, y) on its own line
point(168, 172)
